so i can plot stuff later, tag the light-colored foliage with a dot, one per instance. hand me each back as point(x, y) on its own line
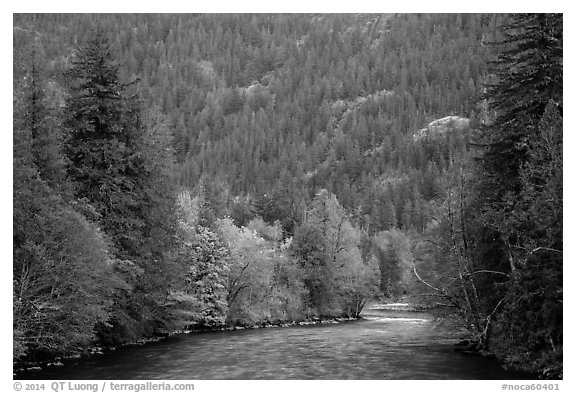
point(326, 246)
point(189, 209)
point(199, 295)
point(263, 283)
point(63, 285)
point(393, 255)
point(271, 233)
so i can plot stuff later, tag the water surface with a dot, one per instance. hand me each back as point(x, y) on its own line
point(384, 345)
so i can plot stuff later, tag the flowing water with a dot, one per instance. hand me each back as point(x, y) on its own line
point(383, 345)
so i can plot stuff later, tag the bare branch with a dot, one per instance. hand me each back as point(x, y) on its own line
point(495, 308)
point(233, 295)
point(545, 249)
point(519, 247)
point(489, 320)
point(510, 256)
point(428, 285)
point(445, 305)
point(486, 271)
point(237, 279)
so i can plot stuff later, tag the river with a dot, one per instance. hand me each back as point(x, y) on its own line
point(383, 345)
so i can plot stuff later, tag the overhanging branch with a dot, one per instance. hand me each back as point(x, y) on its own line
point(427, 284)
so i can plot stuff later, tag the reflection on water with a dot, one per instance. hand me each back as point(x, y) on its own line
point(384, 345)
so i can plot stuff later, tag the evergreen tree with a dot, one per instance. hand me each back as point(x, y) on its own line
point(105, 165)
point(519, 227)
point(38, 116)
point(120, 165)
point(279, 107)
point(529, 75)
point(63, 277)
point(536, 225)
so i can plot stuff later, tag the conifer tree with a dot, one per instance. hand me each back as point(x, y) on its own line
point(63, 275)
point(38, 116)
point(538, 289)
point(519, 228)
point(120, 165)
point(105, 165)
point(528, 75)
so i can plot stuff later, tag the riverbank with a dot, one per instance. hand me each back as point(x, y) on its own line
point(96, 350)
point(383, 345)
point(467, 346)
point(462, 346)
point(551, 371)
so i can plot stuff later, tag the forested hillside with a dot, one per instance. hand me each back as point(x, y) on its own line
point(177, 171)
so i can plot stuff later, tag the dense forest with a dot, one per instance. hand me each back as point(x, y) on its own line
point(177, 172)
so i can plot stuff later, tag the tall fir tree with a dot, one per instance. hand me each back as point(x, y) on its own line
point(40, 116)
point(106, 167)
point(120, 164)
point(518, 224)
point(529, 74)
